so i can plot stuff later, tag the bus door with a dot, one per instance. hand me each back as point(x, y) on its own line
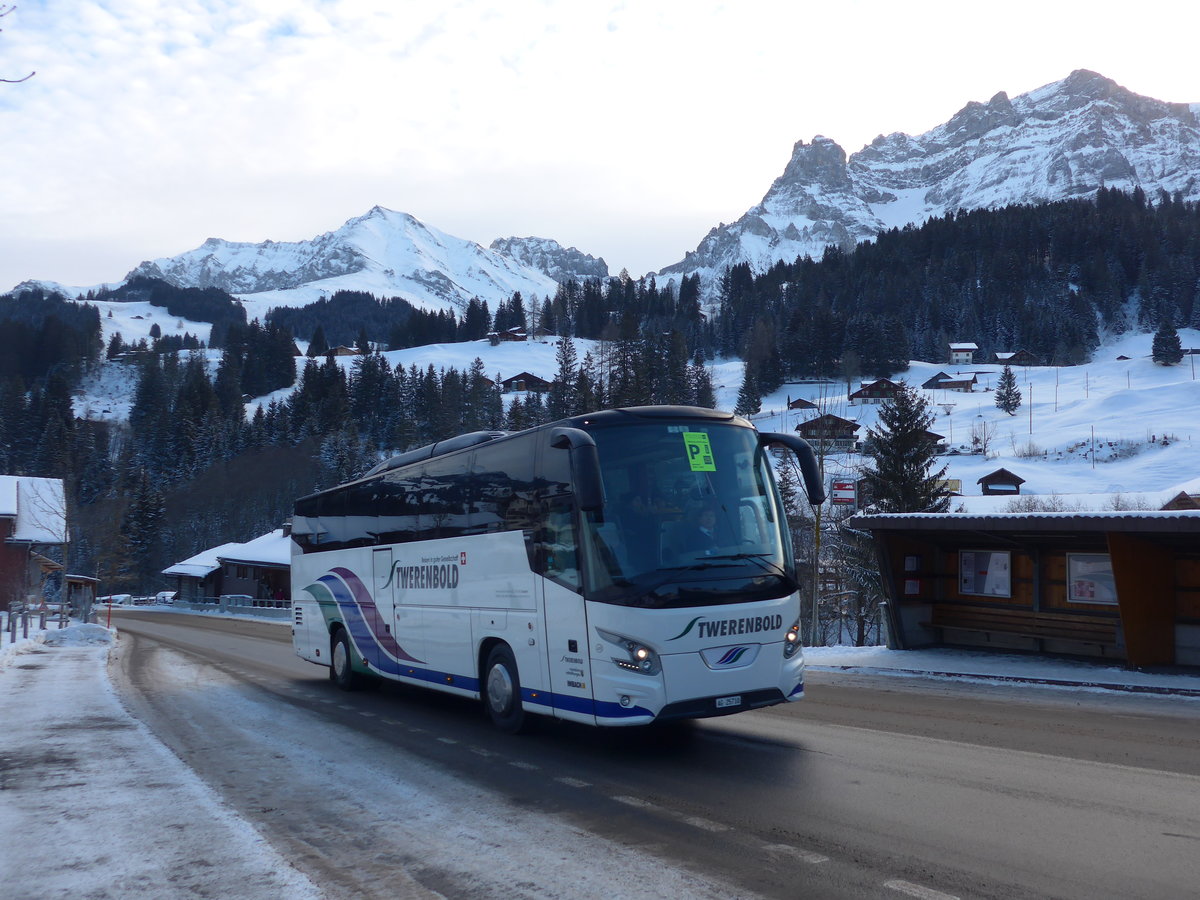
point(564, 614)
point(403, 621)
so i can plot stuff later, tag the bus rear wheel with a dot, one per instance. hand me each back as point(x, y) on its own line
point(341, 670)
point(502, 690)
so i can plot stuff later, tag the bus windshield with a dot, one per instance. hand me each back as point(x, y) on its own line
point(691, 518)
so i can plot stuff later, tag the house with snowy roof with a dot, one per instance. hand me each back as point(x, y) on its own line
point(962, 353)
point(1017, 358)
point(33, 524)
point(876, 392)
point(259, 569)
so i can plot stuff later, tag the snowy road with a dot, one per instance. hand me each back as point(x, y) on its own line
point(864, 789)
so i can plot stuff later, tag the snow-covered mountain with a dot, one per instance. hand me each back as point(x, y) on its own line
point(552, 258)
point(1064, 140)
point(386, 253)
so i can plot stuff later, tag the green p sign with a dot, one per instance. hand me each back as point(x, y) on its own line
point(699, 452)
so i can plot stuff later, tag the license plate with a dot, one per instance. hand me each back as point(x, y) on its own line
point(726, 702)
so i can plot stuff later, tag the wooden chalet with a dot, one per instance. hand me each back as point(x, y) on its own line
point(1017, 358)
point(516, 333)
point(525, 382)
point(952, 383)
point(876, 392)
point(830, 433)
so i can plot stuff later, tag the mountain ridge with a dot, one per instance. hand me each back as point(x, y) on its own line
point(1063, 140)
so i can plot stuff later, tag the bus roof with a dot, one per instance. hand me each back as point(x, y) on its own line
point(603, 418)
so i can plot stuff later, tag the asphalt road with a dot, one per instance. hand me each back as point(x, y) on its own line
point(869, 787)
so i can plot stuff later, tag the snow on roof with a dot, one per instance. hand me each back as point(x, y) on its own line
point(273, 548)
point(203, 563)
point(39, 507)
point(1133, 521)
point(964, 346)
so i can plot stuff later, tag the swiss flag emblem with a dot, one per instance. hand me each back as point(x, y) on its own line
point(462, 558)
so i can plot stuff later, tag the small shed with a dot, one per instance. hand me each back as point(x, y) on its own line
point(1001, 481)
point(800, 403)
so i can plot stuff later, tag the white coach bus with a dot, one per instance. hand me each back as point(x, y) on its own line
point(618, 568)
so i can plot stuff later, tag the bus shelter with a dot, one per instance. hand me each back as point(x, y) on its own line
point(1124, 585)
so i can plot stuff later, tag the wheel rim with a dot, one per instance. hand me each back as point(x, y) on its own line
point(341, 659)
point(500, 689)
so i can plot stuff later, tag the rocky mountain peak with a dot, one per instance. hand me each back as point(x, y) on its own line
point(1063, 140)
point(551, 258)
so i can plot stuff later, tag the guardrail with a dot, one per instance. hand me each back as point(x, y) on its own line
point(262, 609)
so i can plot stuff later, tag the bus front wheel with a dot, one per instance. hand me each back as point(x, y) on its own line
point(502, 690)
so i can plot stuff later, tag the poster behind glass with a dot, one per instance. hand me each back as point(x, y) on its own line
point(985, 573)
point(1090, 578)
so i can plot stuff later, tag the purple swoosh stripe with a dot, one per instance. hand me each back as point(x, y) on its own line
point(370, 614)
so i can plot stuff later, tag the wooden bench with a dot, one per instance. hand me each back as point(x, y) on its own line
point(1042, 626)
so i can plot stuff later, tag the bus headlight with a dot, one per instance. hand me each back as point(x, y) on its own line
point(638, 658)
point(791, 641)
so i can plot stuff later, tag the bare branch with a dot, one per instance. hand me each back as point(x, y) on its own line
point(4, 11)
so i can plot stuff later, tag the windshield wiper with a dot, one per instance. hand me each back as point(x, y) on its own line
point(765, 562)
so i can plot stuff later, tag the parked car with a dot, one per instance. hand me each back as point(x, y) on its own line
point(166, 597)
point(116, 599)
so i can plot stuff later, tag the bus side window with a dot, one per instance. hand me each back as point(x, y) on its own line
point(557, 551)
point(506, 495)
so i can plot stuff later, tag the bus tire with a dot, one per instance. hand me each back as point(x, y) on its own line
point(502, 690)
point(341, 670)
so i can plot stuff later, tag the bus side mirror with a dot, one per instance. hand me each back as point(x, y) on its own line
point(814, 484)
point(585, 466)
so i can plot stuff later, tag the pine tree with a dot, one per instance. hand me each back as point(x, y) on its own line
point(563, 394)
point(142, 526)
point(902, 479)
point(1167, 349)
point(1008, 396)
point(319, 345)
point(749, 401)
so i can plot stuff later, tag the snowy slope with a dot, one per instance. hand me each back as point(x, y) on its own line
point(1127, 406)
point(1063, 140)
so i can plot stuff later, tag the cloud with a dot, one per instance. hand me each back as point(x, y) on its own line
point(184, 119)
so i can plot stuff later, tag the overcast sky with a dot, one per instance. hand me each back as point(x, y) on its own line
point(625, 129)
